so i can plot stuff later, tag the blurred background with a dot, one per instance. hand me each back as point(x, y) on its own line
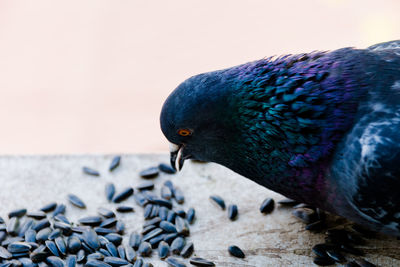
point(91, 76)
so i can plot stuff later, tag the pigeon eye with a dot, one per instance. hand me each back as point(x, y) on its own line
point(184, 132)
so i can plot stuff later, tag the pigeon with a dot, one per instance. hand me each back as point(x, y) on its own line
point(322, 128)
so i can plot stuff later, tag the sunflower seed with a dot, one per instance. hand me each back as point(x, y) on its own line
point(96, 263)
point(112, 249)
point(174, 262)
point(80, 256)
point(76, 201)
point(26, 225)
point(66, 228)
point(182, 226)
point(62, 218)
point(168, 227)
point(149, 173)
point(106, 253)
point(121, 252)
point(27, 262)
point(147, 185)
point(17, 213)
point(171, 216)
point(163, 202)
point(152, 234)
point(166, 168)
point(114, 238)
point(38, 215)
point(130, 254)
point(90, 171)
point(187, 250)
point(55, 261)
point(124, 209)
point(120, 227)
point(145, 249)
point(201, 262)
point(147, 211)
point(60, 243)
point(140, 199)
point(30, 235)
point(109, 222)
point(219, 201)
point(4, 254)
point(267, 206)
point(104, 231)
point(236, 251)
point(178, 195)
point(115, 261)
point(41, 224)
point(124, 194)
point(12, 227)
point(96, 256)
point(60, 209)
point(49, 207)
point(74, 244)
point(177, 245)
point(114, 163)
point(91, 220)
point(71, 261)
point(138, 263)
point(190, 215)
point(43, 234)
point(52, 247)
point(323, 261)
point(170, 237)
point(134, 240)
point(91, 239)
point(110, 191)
point(232, 212)
point(105, 212)
point(166, 192)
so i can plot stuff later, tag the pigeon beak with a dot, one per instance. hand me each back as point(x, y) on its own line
point(176, 155)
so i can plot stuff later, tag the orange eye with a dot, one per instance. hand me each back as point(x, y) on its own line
point(184, 132)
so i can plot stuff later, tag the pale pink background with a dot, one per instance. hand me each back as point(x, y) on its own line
point(83, 76)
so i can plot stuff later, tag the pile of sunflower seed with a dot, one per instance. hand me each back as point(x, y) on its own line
point(48, 238)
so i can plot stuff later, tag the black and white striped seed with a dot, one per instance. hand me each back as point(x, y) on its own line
point(236, 252)
point(71, 261)
point(174, 262)
point(62, 247)
point(60, 209)
point(49, 207)
point(110, 222)
point(106, 213)
point(145, 249)
point(91, 239)
point(190, 215)
point(125, 209)
point(163, 250)
point(187, 250)
point(232, 212)
point(178, 195)
point(112, 249)
point(55, 261)
point(114, 163)
point(166, 192)
point(90, 171)
point(267, 206)
point(114, 238)
point(123, 195)
point(130, 254)
point(17, 213)
point(110, 191)
point(177, 245)
point(149, 173)
point(43, 234)
point(147, 185)
point(115, 261)
point(166, 168)
point(38, 215)
point(12, 227)
point(218, 200)
point(134, 240)
point(196, 261)
point(182, 227)
point(91, 220)
point(76, 201)
point(52, 247)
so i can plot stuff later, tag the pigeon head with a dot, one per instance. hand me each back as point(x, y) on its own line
point(195, 119)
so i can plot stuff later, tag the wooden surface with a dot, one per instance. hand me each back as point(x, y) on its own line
point(278, 239)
